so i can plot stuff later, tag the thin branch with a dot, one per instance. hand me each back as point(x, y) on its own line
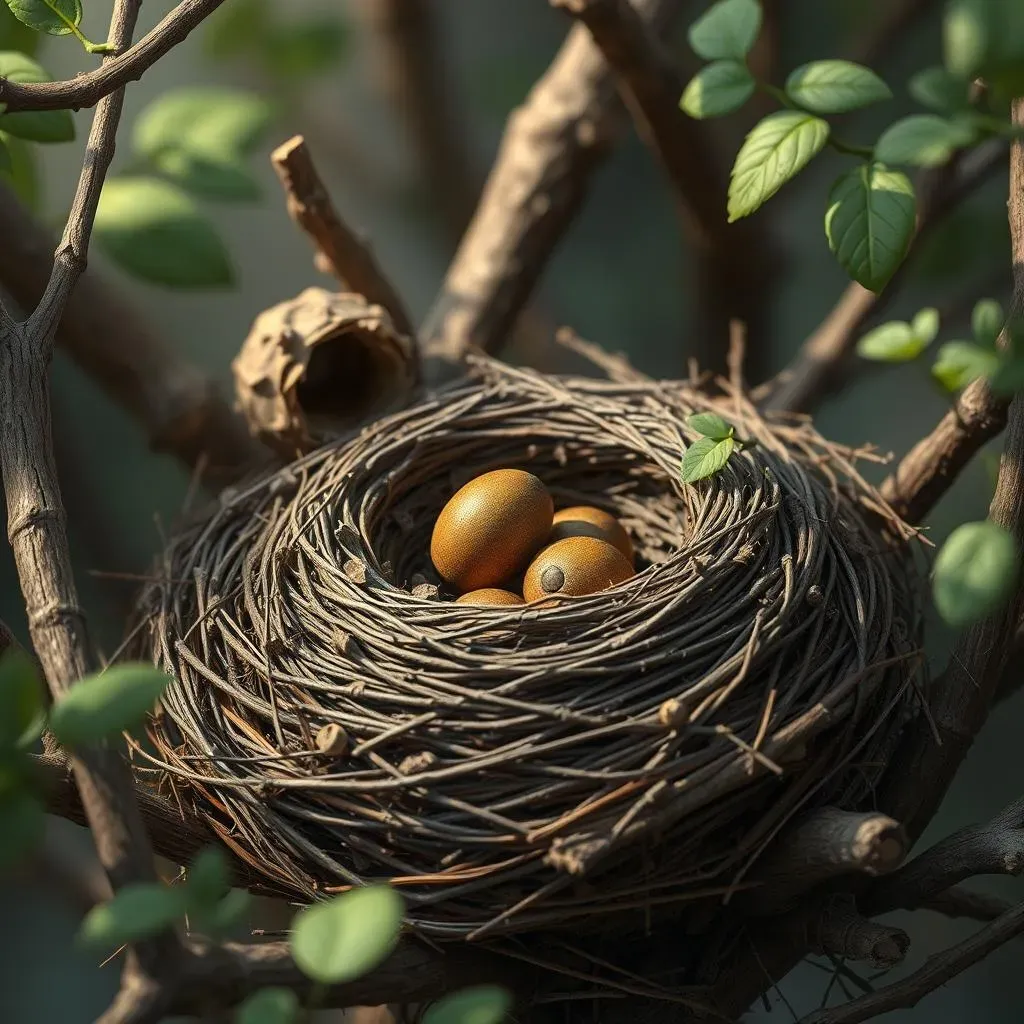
point(551, 148)
point(177, 405)
point(349, 257)
point(412, 65)
point(841, 931)
point(735, 262)
point(936, 972)
point(966, 903)
point(814, 372)
point(87, 89)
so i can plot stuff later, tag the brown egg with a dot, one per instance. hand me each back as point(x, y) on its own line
point(489, 595)
point(575, 565)
point(491, 528)
point(588, 521)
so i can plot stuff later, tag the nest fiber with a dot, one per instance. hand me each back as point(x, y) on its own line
point(339, 719)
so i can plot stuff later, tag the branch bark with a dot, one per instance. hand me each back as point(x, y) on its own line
point(551, 147)
point(966, 903)
point(841, 931)
point(87, 89)
point(735, 262)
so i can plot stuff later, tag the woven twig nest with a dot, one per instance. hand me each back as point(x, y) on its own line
point(338, 720)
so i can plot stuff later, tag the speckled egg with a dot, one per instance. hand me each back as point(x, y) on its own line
point(589, 521)
point(491, 528)
point(489, 595)
point(575, 565)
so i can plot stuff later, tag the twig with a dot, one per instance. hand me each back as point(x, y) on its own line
point(966, 903)
point(348, 256)
point(811, 376)
point(86, 90)
point(937, 970)
point(841, 931)
point(176, 404)
point(412, 65)
point(551, 147)
point(995, 848)
point(929, 469)
point(734, 261)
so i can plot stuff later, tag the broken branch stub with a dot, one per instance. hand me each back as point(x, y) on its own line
point(318, 364)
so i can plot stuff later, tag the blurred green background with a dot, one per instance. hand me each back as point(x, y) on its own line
point(622, 278)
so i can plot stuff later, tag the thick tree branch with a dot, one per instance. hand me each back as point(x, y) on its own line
point(814, 372)
point(87, 89)
point(937, 970)
point(841, 931)
point(178, 407)
point(551, 147)
point(735, 262)
point(351, 260)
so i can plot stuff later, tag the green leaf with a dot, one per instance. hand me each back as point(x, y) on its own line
point(299, 51)
point(22, 823)
point(153, 230)
point(939, 90)
point(211, 176)
point(892, 342)
point(22, 176)
point(775, 150)
point(705, 457)
point(236, 27)
point(226, 916)
point(967, 36)
point(269, 1006)
point(710, 425)
point(135, 912)
point(344, 938)
point(1008, 377)
point(924, 140)
point(15, 35)
point(925, 325)
point(37, 125)
point(987, 321)
point(960, 362)
point(208, 879)
point(22, 708)
point(54, 17)
point(870, 222)
point(6, 166)
point(717, 89)
point(102, 706)
point(975, 572)
point(481, 1004)
point(727, 30)
point(835, 86)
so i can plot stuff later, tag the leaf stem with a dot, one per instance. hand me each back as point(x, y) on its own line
point(776, 93)
point(852, 150)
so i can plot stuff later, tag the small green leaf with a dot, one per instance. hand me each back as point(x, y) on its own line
point(102, 706)
point(37, 125)
point(22, 709)
point(835, 86)
point(1008, 377)
point(870, 222)
point(975, 572)
point(717, 89)
point(481, 1004)
point(967, 36)
point(705, 457)
point(710, 425)
point(344, 938)
point(727, 30)
point(269, 1006)
point(156, 232)
point(208, 879)
point(960, 362)
point(226, 916)
point(135, 912)
point(54, 17)
point(15, 35)
point(892, 342)
point(23, 176)
point(206, 175)
point(303, 50)
point(236, 27)
point(987, 321)
point(924, 140)
point(925, 325)
point(940, 91)
point(776, 149)
point(22, 823)
point(6, 167)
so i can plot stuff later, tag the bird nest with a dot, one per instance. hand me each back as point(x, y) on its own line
point(338, 719)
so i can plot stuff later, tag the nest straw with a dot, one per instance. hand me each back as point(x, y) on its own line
point(518, 768)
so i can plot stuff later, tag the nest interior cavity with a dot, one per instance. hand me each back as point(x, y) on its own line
point(618, 755)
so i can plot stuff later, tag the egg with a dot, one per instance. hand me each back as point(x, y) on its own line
point(491, 528)
point(575, 565)
point(489, 595)
point(589, 521)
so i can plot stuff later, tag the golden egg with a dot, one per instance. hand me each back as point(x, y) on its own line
point(588, 521)
point(489, 595)
point(575, 565)
point(491, 528)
